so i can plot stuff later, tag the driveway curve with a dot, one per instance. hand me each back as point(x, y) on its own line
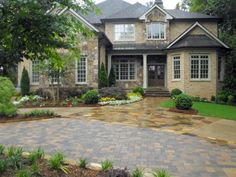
point(182, 155)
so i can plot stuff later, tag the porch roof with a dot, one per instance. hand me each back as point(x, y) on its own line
point(139, 46)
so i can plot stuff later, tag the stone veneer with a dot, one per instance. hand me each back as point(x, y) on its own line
point(89, 48)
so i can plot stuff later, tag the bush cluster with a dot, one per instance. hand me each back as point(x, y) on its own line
point(7, 91)
point(25, 83)
point(139, 90)
point(113, 92)
point(175, 92)
point(225, 98)
point(183, 102)
point(91, 97)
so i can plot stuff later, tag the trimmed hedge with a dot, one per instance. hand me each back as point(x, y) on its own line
point(91, 97)
point(183, 102)
point(25, 83)
point(175, 92)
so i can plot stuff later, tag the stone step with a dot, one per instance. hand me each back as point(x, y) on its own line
point(157, 92)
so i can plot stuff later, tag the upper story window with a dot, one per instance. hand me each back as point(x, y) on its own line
point(35, 72)
point(200, 67)
point(124, 32)
point(156, 31)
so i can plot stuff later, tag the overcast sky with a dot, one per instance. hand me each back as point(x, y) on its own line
point(168, 4)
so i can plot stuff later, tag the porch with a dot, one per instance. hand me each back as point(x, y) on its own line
point(147, 70)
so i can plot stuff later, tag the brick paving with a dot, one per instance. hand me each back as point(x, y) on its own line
point(182, 155)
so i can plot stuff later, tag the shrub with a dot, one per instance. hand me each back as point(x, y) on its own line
point(230, 99)
point(91, 97)
point(112, 78)
point(175, 92)
point(161, 173)
point(221, 98)
point(107, 165)
point(117, 173)
point(36, 155)
point(23, 173)
point(139, 90)
point(75, 102)
point(25, 83)
point(213, 98)
point(40, 113)
point(183, 102)
point(138, 172)
point(2, 148)
point(113, 92)
point(7, 91)
point(3, 166)
point(83, 163)
point(102, 77)
point(70, 92)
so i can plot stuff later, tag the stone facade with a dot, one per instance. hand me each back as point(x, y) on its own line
point(89, 49)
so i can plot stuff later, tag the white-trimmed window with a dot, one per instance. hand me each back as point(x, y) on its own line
point(156, 31)
point(176, 67)
point(35, 75)
point(53, 79)
point(124, 32)
point(81, 70)
point(125, 69)
point(220, 68)
point(200, 67)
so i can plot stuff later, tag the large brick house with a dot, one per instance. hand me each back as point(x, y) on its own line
point(151, 47)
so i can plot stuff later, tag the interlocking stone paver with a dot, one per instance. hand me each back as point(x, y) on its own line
point(182, 155)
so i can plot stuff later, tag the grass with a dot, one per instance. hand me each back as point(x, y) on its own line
point(208, 109)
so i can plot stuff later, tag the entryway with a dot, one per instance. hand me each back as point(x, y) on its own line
point(156, 75)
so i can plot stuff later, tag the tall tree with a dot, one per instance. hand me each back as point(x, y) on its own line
point(177, 6)
point(31, 29)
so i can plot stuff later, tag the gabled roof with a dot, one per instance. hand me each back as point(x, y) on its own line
point(209, 37)
point(143, 16)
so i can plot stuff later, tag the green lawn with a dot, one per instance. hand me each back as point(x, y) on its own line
point(208, 109)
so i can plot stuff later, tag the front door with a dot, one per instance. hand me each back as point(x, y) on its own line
point(156, 75)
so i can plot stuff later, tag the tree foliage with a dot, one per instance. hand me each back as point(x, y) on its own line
point(32, 29)
point(226, 10)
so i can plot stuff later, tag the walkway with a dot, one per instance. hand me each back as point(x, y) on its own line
point(182, 155)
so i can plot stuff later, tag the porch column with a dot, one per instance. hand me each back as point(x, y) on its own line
point(109, 64)
point(144, 71)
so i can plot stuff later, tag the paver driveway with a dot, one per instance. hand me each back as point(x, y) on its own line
point(125, 146)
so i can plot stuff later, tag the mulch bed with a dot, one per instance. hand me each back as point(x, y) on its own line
point(46, 171)
point(190, 112)
point(58, 105)
point(21, 117)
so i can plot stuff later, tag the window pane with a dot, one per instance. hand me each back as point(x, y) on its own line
point(204, 69)
point(123, 71)
point(81, 70)
point(176, 67)
point(194, 69)
point(124, 32)
point(199, 67)
point(35, 71)
point(155, 30)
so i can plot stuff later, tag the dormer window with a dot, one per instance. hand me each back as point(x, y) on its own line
point(156, 31)
point(124, 32)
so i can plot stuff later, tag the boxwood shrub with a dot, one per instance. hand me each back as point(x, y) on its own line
point(183, 102)
point(175, 92)
point(113, 92)
point(91, 97)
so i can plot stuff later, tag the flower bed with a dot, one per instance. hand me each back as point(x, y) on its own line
point(132, 98)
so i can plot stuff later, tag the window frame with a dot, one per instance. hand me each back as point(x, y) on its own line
point(129, 62)
point(199, 67)
point(76, 70)
point(156, 39)
point(123, 40)
point(31, 73)
point(173, 67)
